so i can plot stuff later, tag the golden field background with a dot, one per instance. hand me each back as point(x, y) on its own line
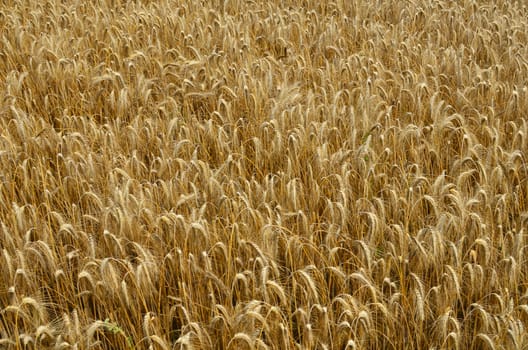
point(263, 174)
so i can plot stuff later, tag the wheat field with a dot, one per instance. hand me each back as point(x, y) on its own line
point(243, 174)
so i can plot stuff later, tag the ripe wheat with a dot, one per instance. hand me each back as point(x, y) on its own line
point(263, 174)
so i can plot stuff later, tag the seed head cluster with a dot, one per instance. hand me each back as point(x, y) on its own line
point(247, 174)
